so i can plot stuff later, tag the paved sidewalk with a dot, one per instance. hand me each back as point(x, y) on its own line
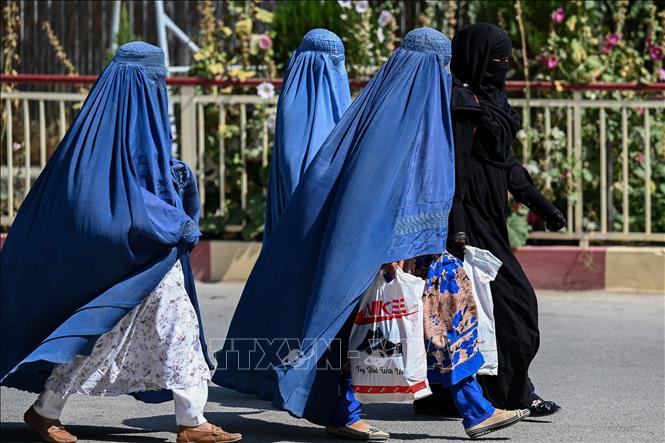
point(602, 358)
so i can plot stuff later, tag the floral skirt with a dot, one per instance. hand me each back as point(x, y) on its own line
point(450, 318)
point(155, 346)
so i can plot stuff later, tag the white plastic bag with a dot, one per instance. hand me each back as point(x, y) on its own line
point(481, 267)
point(386, 348)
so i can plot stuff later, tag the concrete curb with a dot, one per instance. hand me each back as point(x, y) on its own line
point(635, 269)
point(564, 268)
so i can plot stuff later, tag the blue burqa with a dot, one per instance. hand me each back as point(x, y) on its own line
point(379, 190)
point(108, 217)
point(314, 96)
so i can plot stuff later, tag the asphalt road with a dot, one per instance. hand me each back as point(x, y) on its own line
point(602, 358)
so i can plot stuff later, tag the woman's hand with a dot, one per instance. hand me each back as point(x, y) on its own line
point(458, 245)
point(391, 268)
point(555, 221)
point(190, 235)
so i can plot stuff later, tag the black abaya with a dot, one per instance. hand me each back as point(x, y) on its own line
point(481, 212)
point(485, 127)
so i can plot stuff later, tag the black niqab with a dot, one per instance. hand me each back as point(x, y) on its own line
point(476, 50)
point(486, 172)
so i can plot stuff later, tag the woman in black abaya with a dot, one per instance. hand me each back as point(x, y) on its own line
point(485, 127)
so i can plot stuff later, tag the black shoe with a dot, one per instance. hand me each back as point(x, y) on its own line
point(541, 408)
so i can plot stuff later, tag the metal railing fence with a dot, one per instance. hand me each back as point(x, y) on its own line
point(227, 140)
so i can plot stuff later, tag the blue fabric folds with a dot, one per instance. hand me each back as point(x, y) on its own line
point(379, 190)
point(314, 96)
point(103, 224)
point(469, 401)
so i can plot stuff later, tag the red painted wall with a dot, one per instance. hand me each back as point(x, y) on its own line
point(564, 268)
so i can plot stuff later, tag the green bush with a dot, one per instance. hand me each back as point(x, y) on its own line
point(573, 48)
point(293, 19)
point(367, 43)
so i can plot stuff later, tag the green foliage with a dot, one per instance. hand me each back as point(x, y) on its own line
point(604, 41)
point(571, 48)
point(367, 43)
point(293, 19)
point(518, 226)
point(233, 50)
point(608, 42)
point(125, 33)
point(537, 20)
point(221, 56)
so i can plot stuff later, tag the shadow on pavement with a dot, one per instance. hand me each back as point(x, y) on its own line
point(20, 433)
point(252, 430)
point(245, 418)
point(401, 412)
point(260, 430)
point(384, 411)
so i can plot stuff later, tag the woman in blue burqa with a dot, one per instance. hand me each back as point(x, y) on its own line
point(379, 191)
point(314, 96)
point(98, 296)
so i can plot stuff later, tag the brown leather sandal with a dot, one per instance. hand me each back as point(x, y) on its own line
point(50, 430)
point(206, 433)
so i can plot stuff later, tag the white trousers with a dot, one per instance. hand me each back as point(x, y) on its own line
point(189, 404)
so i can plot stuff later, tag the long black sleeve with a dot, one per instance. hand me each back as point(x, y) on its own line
point(522, 188)
point(463, 136)
point(466, 112)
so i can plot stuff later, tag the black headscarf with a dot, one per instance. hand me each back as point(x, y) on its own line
point(475, 49)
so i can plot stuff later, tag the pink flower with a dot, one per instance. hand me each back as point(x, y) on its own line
point(516, 206)
point(385, 18)
point(552, 62)
point(613, 39)
point(558, 16)
point(656, 52)
point(661, 75)
point(16, 146)
point(532, 218)
point(640, 111)
point(362, 6)
point(567, 173)
point(639, 157)
point(265, 41)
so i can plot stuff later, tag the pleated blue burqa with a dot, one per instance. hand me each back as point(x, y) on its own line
point(379, 190)
point(105, 221)
point(314, 96)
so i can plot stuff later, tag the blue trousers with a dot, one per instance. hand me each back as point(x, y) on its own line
point(467, 394)
point(348, 408)
point(469, 400)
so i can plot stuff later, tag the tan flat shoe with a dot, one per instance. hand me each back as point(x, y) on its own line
point(205, 433)
point(499, 420)
point(50, 430)
point(358, 431)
